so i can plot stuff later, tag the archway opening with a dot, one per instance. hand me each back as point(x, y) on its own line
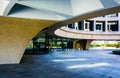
point(46, 43)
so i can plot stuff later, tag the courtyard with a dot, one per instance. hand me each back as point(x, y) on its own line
point(65, 64)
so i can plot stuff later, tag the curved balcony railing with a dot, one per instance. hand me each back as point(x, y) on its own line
point(87, 31)
point(106, 18)
point(94, 35)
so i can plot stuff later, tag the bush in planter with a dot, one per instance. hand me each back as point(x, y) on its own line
point(118, 45)
point(116, 51)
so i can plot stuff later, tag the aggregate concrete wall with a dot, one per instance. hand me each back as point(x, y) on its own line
point(15, 35)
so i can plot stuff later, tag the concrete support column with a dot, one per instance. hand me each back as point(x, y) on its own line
point(82, 44)
point(106, 26)
point(66, 26)
point(94, 25)
point(76, 25)
point(119, 22)
point(119, 15)
point(88, 44)
point(83, 25)
point(73, 25)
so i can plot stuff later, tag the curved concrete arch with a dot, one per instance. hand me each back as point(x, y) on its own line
point(15, 34)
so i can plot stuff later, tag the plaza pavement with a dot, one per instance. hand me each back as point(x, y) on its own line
point(65, 64)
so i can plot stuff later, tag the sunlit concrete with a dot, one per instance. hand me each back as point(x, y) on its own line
point(88, 65)
point(63, 60)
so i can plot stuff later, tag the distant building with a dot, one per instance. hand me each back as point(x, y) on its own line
point(108, 23)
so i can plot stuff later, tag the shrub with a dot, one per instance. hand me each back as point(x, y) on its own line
point(116, 51)
point(118, 45)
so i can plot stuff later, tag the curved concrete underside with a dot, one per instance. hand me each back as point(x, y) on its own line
point(88, 35)
point(15, 33)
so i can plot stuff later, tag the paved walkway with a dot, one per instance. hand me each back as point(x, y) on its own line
point(68, 64)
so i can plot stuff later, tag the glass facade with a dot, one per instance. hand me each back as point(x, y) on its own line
point(46, 42)
point(113, 26)
point(100, 26)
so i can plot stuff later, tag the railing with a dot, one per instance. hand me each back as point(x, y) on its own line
point(88, 32)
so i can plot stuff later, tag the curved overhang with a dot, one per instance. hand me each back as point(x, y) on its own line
point(74, 34)
point(65, 9)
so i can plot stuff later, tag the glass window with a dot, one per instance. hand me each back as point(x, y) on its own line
point(112, 25)
point(98, 27)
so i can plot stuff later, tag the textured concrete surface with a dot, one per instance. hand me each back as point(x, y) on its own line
point(67, 64)
point(15, 35)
